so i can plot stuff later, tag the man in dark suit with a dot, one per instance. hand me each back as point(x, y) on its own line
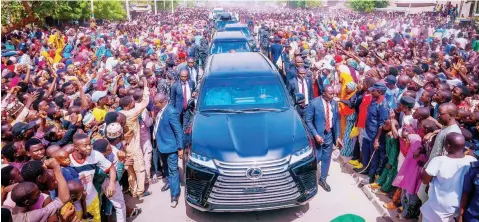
point(169, 140)
point(181, 91)
point(292, 70)
point(301, 84)
point(193, 71)
point(318, 79)
point(322, 118)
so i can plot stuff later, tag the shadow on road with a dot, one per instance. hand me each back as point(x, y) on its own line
point(280, 215)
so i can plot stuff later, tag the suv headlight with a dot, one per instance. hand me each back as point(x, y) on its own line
point(301, 154)
point(202, 160)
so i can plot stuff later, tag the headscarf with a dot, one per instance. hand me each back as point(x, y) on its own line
point(67, 51)
point(353, 67)
point(351, 86)
point(346, 81)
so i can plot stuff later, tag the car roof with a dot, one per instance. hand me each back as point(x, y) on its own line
point(239, 64)
point(229, 36)
point(236, 25)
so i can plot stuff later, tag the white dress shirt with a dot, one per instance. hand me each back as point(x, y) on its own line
point(300, 89)
point(193, 74)
point(188, 91)
point(330, 113)
point(157, 122)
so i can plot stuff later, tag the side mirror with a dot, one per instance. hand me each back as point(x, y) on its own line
point(191, 104)
point(298, 98)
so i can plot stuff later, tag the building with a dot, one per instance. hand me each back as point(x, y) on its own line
point(466, 7)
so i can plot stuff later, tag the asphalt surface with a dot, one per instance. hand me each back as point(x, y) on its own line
point(344, 198)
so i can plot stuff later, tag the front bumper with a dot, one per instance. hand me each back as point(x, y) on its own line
point(210, 190)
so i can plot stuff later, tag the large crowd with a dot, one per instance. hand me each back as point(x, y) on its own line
point(82, 107)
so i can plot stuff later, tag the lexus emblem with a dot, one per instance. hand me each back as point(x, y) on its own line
point(254, 173)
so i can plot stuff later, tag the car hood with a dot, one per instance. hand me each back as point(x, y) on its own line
point(254, 136)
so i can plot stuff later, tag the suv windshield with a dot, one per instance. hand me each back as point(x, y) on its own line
point(225, 47)
point(242, 93)
point(244, 30)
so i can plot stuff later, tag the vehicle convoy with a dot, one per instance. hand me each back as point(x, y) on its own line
point(250, 149)
point(223, 19)
point(215, 12)
point(224, 42)
point(242, 28)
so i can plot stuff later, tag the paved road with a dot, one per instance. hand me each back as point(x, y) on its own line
point(344, 198)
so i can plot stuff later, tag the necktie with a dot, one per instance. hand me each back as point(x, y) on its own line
point(302, 87)
point(185, 98)
point(328, 124)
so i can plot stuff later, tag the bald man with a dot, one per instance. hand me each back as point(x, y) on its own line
point(169, 140)
point(445, 175)
point(303, 85)
point(181, 91)
point(441, 96)
point(292, 71)
point(447, 117)
point(192, 69)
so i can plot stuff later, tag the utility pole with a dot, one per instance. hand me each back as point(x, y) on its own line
point(164, 7)
point(92, 10)
point(128, 11)
point(155, 7)
point(172, 10)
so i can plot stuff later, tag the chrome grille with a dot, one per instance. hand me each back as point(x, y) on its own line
point(274, 187)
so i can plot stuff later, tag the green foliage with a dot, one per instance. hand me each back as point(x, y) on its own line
point(111, 10)
point(312, 3)
point(381, 3)
point(190, 3)
point(362, 5)
point(14, 11)
point(302, 3)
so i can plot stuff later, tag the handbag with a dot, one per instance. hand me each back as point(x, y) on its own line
point(354, 132)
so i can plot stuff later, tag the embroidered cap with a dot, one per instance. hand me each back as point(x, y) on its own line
point(113, 130)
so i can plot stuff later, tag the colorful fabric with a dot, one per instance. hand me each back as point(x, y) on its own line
point(388, 175)
point(348, 142)
point(409, 176)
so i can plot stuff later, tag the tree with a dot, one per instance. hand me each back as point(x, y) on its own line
point(381, 3)
point(302, 3)
point(313, 3)
point(111, 10)
point(17, 14)
point(362, 5)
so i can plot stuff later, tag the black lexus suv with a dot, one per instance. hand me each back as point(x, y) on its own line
point(250, 149)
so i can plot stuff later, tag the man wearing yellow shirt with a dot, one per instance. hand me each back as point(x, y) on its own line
point(101, 99)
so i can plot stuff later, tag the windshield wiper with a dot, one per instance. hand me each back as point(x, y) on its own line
point(222, 111)
point(262, 109)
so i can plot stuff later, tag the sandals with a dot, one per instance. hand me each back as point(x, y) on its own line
point(144, 194)
point(390, 206)
point(378, 191)
point(374, 186)
point(135, 212)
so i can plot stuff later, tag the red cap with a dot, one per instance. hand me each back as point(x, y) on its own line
point(338, 58)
